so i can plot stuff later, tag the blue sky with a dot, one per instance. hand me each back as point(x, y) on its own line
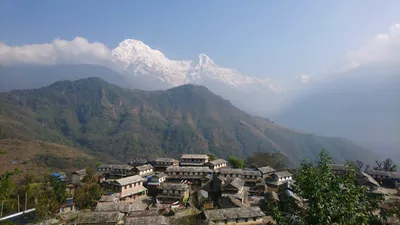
point(260, 38)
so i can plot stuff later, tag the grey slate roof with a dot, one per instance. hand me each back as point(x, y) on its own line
point(166, 160)
point(109, 198)
point(233, 213)
point(365, 178)
point(175, 186)
point(144, 167)
point(194, 156)
point(189, 169)
point(266, 169)
point(129, 180)
point(115, 167)
point(98, 217)
point(124, 207)
point(147, 220)
point(218, 162)
point(236, 182)
point(230, 171)
point(283, 174)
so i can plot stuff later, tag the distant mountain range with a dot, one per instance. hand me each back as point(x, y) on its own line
point(360, 104)
point(125, 124)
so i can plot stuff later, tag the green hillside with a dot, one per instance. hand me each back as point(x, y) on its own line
point(127, 124)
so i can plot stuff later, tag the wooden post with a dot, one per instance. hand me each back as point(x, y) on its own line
point(26, 200)
point(1, 213)
point(18, 203)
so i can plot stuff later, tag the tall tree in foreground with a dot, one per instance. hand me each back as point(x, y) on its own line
point(89, 192)
point(329, 198)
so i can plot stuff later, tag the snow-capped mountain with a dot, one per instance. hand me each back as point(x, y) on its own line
point(136, 57)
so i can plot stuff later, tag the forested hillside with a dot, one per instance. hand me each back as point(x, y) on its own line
point(91, 113)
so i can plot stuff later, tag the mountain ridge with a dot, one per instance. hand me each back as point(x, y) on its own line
point(127, 124)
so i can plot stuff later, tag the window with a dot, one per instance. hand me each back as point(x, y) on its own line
point(130, 186)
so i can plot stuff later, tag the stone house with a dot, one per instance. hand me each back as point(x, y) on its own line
point(128, 187)
point(216, 164)
point(172, 192)
point(266, 171)
point(193, 159)
point(194, 175)
point(144, 170)
point(116, 170)
point(161, 164)
point(154, 183)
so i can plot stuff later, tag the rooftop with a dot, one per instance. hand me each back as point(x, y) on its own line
point(194, 156)
point(189, 169)
point(129, 180)
point(266, 169)
point(175, 186)
point(124, 207)
point(283, 174)
point(230, 171)
point(147, 220)
point(218, 162)
point(236, 182)
point(166, 160)
point(144, 167)
point(233, 213)
point(98, 218)
point(115, 167)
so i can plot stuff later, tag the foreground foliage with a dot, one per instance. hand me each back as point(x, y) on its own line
point(327, 198)
point(89, 192)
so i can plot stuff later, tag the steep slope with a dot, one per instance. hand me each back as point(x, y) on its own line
point(37, 157)
point(129, 124)
point(362, 105)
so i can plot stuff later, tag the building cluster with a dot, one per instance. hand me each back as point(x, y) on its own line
point(165, 189)
point(208, 192)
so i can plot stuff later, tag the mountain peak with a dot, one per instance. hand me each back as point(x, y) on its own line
point(205, 61)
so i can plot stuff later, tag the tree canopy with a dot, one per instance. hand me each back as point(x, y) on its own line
point(327, 197)
point(235, 162)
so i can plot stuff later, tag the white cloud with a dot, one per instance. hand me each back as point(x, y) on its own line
point(304, 78)
point(79, 50)
point(383, 48)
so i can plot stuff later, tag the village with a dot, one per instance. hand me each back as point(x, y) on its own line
point(195, 189)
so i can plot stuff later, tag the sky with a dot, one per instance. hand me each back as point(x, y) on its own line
point(277, 39)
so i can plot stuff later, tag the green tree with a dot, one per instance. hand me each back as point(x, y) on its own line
point(235, 162)
point(329, 198)
point(89, 192)
point(211, 157)
point(49, 197)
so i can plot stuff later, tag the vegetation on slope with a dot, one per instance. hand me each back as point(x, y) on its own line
point(126, 124)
